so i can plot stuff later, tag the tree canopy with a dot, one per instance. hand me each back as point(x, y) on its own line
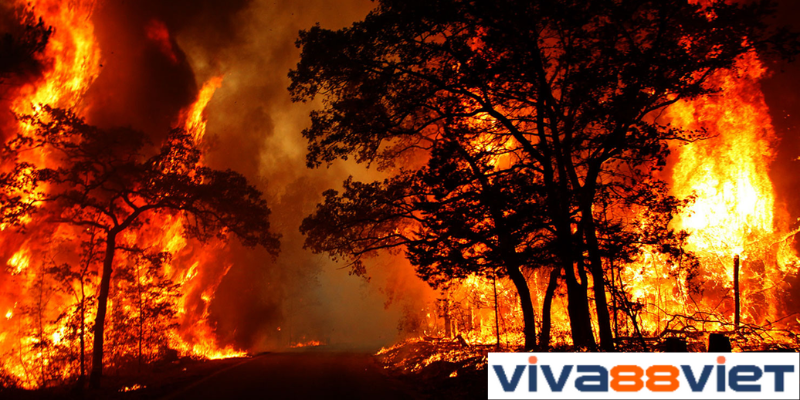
point(505, 123)
point(110, 181)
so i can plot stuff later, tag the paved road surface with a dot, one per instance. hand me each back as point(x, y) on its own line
point(300, 375)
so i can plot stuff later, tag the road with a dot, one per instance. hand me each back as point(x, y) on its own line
point(299, 375)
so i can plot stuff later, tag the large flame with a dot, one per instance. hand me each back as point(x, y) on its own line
point(73, 59)
point(193, 116)
point(734, 215)
point(73, 52)
point(728, 173)
point(32, 332)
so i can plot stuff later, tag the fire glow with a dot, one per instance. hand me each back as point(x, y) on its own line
point(73, 59)
point(734, 216)
point(740, 233)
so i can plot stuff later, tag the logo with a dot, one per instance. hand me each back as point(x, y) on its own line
point(644, 375)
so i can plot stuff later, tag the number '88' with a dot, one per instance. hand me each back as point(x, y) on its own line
point(660, 378)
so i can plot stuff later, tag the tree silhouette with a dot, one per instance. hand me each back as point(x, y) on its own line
point(112, 181)
point(20, 46)
point(76, 281)
point(457, 216)
point(574, 89)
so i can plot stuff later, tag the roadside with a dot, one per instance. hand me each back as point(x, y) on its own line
point(157, 381)
point(418, 369)
point(437, 368)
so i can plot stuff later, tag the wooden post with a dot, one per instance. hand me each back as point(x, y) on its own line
point(448, 322)
point(496, 312)
point(736, 318)
point(614, 300)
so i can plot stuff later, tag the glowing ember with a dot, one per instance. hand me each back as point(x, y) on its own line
point(132, 388)
point(310, 343)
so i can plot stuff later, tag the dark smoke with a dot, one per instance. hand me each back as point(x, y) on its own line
point(253, 128)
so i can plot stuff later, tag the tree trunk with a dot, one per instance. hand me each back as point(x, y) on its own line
point(448, 322)
point(496, 313)
point(552, 285)
point(39, 315)
point(614, 308)
point(82, 378)
point(508, 253)
point(528, 316)
point(511, 261)
point(580, 319)
point(141, 316)
point(102, 302)
point(558, 204)
point(598, 278)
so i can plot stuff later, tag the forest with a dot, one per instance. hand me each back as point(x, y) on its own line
point(550, 175)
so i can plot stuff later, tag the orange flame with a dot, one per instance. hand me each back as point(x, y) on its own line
point(310, 343)
point(195, 122)
point(72, 62)
point(73, 52)
point(729, 173)
point(734, 214)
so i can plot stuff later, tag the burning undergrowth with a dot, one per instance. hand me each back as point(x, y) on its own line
point(438, 368)
point(545, 218)
point(79, 207)
point(692, 241)
point(152, 71)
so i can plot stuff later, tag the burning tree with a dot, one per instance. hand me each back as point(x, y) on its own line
point(546, 109)
point(458, 216)
point(111, 182)
point(76, 282)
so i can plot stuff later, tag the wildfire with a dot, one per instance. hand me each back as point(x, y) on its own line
point(132, 388)
point(310, 343)
point(729, 173)
point(39, 334)
point(73, 51)
point(19, 261)
point(734, 215)
point(195, 122)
